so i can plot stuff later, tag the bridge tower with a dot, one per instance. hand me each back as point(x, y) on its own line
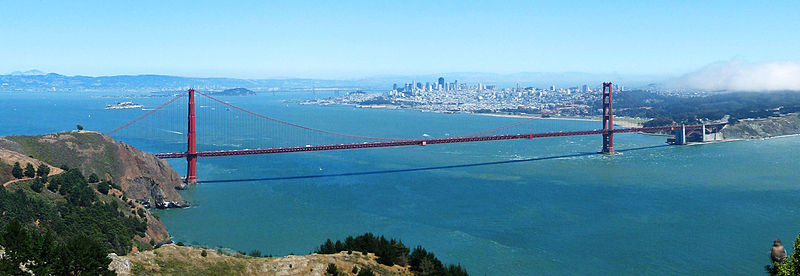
point(608, 120)
point(191, 151)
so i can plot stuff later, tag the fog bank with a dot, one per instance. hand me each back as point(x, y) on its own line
point(736, 75)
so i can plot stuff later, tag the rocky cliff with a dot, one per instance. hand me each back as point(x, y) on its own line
point(142, 176)
point(766, 127)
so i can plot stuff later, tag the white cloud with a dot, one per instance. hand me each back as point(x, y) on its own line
point(736, 75)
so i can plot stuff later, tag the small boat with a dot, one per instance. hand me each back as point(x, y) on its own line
point(124, 105)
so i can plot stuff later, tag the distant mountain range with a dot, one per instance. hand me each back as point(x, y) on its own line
point(35, 80)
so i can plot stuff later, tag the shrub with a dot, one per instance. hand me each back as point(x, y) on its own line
point(179, 244)
point(204, 253)
point(332, 270)
point(255, 253)
point(366, 272)
point(355, 269)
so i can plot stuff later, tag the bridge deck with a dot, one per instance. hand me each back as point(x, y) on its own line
point(418, 142)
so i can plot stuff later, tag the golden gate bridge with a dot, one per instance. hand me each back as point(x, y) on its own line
point(314, 139)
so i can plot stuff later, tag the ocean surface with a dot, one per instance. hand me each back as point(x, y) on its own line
point(544, 206)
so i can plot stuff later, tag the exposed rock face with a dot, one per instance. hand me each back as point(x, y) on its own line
point(119, 264)
point(761, 128)
point(142, 176)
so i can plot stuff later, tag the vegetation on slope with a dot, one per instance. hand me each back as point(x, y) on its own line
point(391, 252)
point(67, 228)
point(143, 177)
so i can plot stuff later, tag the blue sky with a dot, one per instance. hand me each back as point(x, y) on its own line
point(351, 39)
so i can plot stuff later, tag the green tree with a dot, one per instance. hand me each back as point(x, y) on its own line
point(30, 171)
point(93, 178)
point(103, 187)
point(53, 187)
point(37, 185)
point(204, 253)
point(80, 127)
point(16, 171)
point(43, 170)
point(255, 253)
point(82, 256)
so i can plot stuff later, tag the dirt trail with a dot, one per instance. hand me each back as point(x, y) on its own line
point(9, 157)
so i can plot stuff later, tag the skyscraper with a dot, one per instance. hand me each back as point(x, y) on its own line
point(441, 83)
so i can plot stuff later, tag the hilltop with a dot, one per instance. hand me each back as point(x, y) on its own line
point(143, 177)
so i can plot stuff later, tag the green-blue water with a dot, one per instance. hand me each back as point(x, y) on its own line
point(557, 209)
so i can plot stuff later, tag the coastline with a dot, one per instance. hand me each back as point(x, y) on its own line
point(623, 122)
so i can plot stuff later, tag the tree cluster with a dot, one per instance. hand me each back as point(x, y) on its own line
point(391, 252)
point(81, 216)
point(30, 171)
point(42, 254)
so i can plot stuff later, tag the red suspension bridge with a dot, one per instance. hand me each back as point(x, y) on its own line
point(323, 140)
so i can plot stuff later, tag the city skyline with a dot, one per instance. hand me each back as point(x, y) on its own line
point(363, 39)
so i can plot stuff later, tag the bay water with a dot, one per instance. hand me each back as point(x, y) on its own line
point(544, 206)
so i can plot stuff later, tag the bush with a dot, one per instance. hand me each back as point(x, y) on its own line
point(365, 272)
point(53, 187)
point(332, 270)
point(93, 178)
point(103, 187)
point(179, 244)
point(355, 269)
point(37, 185)
point(255, 253)
point(30, 171)
point(16, 171)
point(204, 253)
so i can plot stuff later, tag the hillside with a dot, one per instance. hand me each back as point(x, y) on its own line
point(172, 259)
point(788, 124)
point(142, 177)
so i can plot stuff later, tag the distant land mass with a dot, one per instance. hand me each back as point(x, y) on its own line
point(36, 80)
point(234, 92)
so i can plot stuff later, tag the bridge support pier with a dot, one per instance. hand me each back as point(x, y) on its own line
point(608, 120)
point(191, 151)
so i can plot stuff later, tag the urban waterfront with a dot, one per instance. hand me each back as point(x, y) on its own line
point(556, 208)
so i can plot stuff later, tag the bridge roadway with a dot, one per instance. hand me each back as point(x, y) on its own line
point(422, 142)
